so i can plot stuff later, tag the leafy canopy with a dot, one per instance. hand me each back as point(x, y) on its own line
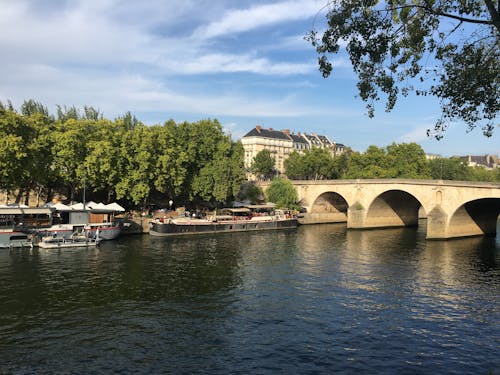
point(283, 193)
point(263, 164)
point(448, 49)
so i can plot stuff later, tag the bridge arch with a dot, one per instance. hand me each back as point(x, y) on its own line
point(392, 208)
point(330, 205)
point(476, 217)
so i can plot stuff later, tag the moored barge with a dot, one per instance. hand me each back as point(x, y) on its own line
point(231, 220)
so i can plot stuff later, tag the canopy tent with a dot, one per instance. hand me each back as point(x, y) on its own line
point(115, 207)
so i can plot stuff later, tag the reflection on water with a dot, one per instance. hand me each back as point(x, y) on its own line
point(319, 299)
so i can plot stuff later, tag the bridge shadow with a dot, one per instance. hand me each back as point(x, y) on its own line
point(484, 213)
point(395, 206)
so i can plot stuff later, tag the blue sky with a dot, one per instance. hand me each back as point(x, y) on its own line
point(242, 62)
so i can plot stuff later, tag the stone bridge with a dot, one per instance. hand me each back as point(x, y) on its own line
point(452, 208)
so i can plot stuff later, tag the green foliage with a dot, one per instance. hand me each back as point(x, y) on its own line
point(449, 169)
point(395, 161)
point(263, 164)
point(313, 164)
point(122, 159)
point(393, 46)
point(283, 193)
point(249, 191)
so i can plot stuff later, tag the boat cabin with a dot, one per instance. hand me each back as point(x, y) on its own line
point(25, 217)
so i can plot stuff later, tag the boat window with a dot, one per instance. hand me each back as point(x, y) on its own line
point(18, 237)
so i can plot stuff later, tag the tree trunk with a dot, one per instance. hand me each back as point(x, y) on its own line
point(19, 195)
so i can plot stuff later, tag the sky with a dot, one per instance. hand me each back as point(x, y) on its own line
point(244, 63)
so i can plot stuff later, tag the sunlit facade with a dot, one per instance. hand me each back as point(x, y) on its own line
point(281, 143)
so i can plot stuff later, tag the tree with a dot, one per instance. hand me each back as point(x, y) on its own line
point(371, 164)
point(137, 153)
point(392, 43)
point(405, 160)
point(13, 148)
point(294, 166)
point(449, 169)
point(408, 160)
point(318, 164)
point(283, 193)
point(103, 161)
point(263, 164)
point(220, 179)
point(249, 191)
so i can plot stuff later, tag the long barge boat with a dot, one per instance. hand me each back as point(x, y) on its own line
point(231, 220)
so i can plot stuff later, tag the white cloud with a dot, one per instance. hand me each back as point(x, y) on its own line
point(230, 63)
point(241, 20)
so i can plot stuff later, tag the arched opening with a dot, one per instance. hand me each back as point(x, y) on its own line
point(393, 208)
point(477, 217)
point(329, 207)
point(330, 203)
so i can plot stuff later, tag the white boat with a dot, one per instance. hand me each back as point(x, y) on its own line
point(89, 217)
point(75, 240)
point(10, 238)
point(15, 224)
point(107, 231)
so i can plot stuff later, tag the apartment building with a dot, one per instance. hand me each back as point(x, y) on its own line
point(282, 143)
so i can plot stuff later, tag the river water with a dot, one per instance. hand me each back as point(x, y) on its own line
point(316, 300)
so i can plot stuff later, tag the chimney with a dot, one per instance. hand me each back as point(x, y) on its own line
point(271, 129)
point(259, 128)
point(286, 131)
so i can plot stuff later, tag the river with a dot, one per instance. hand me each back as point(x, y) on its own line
point(316, 300)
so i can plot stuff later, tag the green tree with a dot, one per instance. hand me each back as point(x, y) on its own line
point(318, 164)
point(481, 174)
point(283, 193)
point(408, 160)
point(340, 164)
point(249, 191)
point(71, 140)
point(449, 169)
point(294, 166)
point(371, 164)
point(392, 46)
point(103, 159)
point(220, 179)
point(138, 151)
point(263, 164)
point(14, 143)
point(172, 161)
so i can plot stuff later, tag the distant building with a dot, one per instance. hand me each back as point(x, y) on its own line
point(432, 156)
point(281, 143)
point(485, 161)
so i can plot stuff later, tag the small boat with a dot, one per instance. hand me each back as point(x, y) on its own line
point(16, 222)
point(107, 231)
point(231, 220)
point(75, 240)
point(10, 238)
point(90, 217)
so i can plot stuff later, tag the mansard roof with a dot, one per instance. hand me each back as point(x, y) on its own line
point(313, 139)
point(297, 138)
point(266, 133)
point(325, 140)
